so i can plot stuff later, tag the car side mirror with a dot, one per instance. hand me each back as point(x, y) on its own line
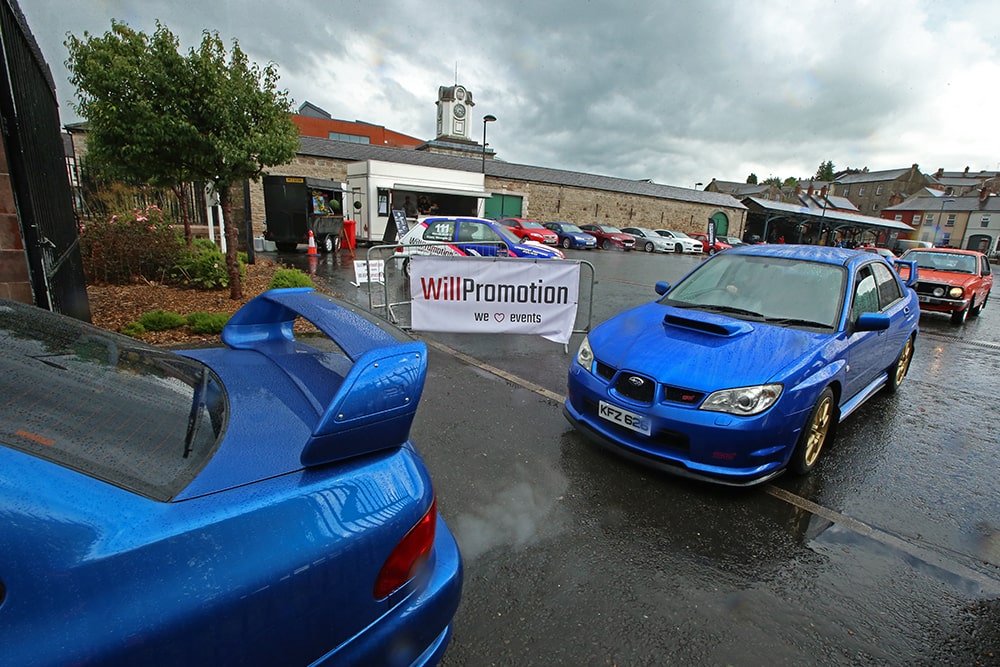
point(871, 322)
point(662, 288)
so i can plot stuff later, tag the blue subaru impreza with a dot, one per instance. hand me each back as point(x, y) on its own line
point(744, 368)
point(254, 504)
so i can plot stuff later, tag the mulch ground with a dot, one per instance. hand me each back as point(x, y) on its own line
point(115, 306)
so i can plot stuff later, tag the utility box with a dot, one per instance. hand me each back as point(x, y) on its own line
point(296, 205)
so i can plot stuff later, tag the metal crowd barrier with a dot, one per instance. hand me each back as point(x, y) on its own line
point(394, 286)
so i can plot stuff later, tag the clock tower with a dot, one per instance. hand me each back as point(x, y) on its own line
point(454, 112)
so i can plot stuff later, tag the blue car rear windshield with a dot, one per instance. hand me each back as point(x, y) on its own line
point(142, 419)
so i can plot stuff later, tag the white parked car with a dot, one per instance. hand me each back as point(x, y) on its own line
point(648, 240)
point(680, 241)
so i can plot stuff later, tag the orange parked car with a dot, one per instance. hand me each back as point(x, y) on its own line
point(951, 280)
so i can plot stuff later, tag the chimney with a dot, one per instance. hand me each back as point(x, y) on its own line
point(939, 173)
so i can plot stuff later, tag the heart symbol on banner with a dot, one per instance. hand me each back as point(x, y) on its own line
point(498, 317)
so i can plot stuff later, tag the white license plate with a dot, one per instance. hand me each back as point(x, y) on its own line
point(629, 420)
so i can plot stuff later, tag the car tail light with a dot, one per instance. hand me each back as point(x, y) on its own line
point(408, 555)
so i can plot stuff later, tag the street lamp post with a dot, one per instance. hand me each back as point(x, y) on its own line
point(488, 118)
point(939, 225)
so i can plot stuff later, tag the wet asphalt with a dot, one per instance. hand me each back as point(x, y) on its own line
point(889, 553)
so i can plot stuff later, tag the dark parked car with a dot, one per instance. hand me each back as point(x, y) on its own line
point(255, 504)
point(571, 236)
point(609, 236)
point(744, 368)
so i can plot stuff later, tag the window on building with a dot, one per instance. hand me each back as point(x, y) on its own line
point(878, 190)
point(349, 138)
point(916, 220)
point(930, 219)
point(984, 221)
point(847, 190)
point(899, 217)
point(951, 220)
point(946, 239)
point(861, 191)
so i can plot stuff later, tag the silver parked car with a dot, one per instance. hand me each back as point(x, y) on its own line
point(648, 240)
point(680, 241)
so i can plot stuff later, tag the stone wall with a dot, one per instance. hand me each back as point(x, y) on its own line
point(541, 201)
point(581, 206)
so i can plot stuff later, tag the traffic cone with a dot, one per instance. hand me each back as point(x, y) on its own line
point(312, 244)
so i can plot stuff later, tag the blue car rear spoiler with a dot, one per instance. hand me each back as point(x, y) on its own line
point(375, 403)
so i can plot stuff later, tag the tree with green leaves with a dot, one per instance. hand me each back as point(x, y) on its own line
point(790, 182)
point(773, 180)
point(752, 179)
point(825, 171)
point(163, 118)
point(131, 89)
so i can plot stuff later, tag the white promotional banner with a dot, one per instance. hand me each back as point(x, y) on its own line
point(476, 295)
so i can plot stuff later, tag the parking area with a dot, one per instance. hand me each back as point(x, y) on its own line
point(889, 553)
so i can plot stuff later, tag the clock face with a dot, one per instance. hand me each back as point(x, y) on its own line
point(459, 111)
point(460, 93)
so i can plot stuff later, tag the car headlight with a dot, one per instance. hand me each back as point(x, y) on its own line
point(743, 401)
point(956, 292)
point(585, 356)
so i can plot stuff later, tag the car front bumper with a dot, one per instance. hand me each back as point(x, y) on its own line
point(940, 305)
point(700, 444)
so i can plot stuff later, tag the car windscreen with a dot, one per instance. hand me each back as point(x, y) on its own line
point(142, 419)
point(781, 291)
point(943, 261)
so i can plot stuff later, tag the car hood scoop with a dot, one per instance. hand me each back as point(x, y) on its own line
point(717, 325)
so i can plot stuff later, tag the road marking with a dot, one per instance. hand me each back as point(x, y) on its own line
point(927, 555)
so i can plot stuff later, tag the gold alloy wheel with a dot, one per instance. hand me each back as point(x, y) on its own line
point(903, 364)
point(819, 427)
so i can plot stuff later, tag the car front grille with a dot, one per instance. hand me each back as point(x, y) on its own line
point(636, 387)
point(926, 287)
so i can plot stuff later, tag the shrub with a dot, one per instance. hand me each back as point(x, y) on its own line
point(129, 246)
point(207, 323)
point(204, 266)
point(290, 278)
point(161, 320)
point(133, 329)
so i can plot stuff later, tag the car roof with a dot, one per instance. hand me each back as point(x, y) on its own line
point(952, 251)
point(815, 253)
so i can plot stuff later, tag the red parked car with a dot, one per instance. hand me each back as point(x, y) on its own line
point(609, 236)
point(530, 230)
point(718, 247)
point(950, 280)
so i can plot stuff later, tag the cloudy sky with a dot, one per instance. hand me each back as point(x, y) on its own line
point(675, 91)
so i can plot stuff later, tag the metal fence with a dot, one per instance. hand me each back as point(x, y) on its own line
point(36, 159)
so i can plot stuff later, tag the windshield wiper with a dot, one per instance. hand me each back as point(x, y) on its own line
point(197, 403)
point(793, 321)
point(727, 309)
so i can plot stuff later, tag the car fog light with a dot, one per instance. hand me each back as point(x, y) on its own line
point(938, 291)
